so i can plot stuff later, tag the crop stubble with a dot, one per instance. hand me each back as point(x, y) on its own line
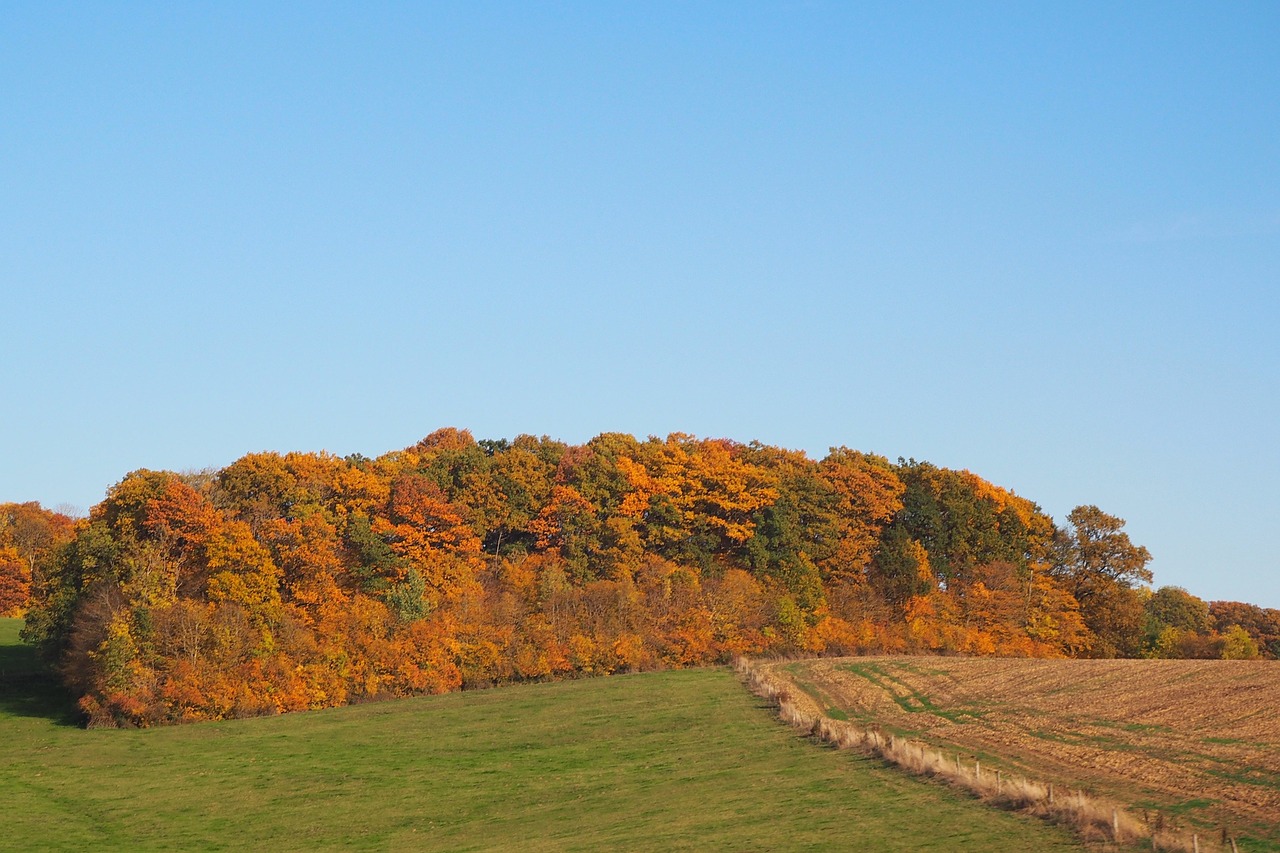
point(1194, 738)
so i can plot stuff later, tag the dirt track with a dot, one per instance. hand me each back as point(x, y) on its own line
point(1196, 740)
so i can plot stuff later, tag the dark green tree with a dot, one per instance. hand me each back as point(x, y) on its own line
point(1098, 564)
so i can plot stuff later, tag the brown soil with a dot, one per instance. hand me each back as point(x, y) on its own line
point(1194, 741)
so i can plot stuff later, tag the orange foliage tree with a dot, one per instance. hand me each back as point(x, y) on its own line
point(306, 580)
point(29, 533)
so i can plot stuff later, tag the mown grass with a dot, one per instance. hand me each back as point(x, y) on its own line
point(668, 761)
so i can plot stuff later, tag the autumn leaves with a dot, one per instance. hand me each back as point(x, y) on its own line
point(291, 581)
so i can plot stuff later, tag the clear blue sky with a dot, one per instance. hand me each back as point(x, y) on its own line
point(1038, 241)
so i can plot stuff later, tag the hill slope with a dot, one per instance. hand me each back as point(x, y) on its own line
point(674, 760)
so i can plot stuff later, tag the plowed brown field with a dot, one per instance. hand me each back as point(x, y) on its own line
point(1197, 741)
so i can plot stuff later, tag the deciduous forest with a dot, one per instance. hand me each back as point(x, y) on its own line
point(294, 581)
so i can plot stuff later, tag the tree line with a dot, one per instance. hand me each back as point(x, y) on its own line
point(305, 580)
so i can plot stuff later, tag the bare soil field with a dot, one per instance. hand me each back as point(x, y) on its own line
point(1196, 742)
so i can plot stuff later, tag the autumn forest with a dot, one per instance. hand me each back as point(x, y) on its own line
point(294, 581)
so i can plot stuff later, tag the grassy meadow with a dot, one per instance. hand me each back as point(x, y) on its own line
point(675, 760)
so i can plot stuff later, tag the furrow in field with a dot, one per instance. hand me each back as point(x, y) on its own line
point(1196, 739)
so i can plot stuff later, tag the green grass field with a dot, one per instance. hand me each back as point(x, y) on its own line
point(676, 760)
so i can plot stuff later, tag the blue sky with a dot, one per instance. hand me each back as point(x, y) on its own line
point(1041, 243)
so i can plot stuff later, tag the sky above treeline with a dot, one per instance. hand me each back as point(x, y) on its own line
point(1041, 242)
